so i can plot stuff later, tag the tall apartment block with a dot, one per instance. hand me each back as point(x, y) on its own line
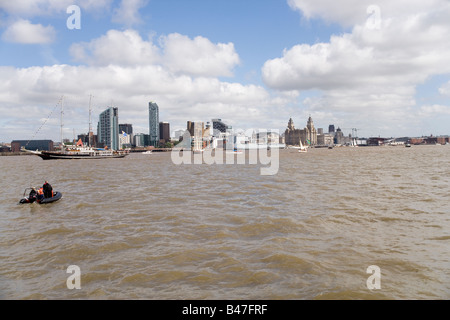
point(108, 128)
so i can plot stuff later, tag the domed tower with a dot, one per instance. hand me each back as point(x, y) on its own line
point(291, 124)
point(311, 132)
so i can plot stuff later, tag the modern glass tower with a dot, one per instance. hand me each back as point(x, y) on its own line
point(153, 115)
point(108, 128)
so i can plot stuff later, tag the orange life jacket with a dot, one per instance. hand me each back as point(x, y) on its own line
point(41, 191)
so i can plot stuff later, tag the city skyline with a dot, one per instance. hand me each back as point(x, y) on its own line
point(381, 67)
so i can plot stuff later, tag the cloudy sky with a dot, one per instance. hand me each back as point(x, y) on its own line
point(380, 66)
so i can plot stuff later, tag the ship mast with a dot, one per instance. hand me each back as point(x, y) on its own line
point(62, 125)
point(90, 121)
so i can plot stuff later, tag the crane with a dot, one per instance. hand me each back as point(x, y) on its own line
point(354, 131)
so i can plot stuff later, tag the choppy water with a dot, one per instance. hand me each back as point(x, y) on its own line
point(144, 228)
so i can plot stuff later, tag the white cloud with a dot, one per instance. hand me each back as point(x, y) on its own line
point(434, 110)
point(372, 71)
point(34, 8)
point(23, 31)
point(30, 94)
point(178, 53)
point(445, 89)
point(128, 12)
point(352, 12)
point(125, 48)
point(198, 56)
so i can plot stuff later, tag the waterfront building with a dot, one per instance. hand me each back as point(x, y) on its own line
point(192, 126)
point(108, 129)
point(325, 139)
point(307, 136)
point(376, 141)
point(141, 140)
point(164, 131)
point(42, 145)
point(443, 140)
point(339, 137)
point(292, 136)
point(125, 135)
point(88, 139)
point(178, 134)
point(127, 128)
point(220, 126)
point(153, 111)
point(125, 140)
point(311, 132)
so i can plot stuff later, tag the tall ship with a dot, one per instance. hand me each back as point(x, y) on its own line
point(78, 151)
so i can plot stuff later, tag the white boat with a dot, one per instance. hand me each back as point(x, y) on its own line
point(147, 152)
point(302, 148)
point(77, 152)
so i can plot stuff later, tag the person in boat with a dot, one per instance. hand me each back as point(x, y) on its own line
point(48, 190)
point(40, 194)
point(32, 196)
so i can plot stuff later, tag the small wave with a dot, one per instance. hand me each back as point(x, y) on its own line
point(440, 238)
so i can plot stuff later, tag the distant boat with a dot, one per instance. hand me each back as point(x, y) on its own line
point(147, 152)
point(302, 148)
point(407, 145)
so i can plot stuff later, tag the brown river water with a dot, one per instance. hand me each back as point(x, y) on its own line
point(143, 227)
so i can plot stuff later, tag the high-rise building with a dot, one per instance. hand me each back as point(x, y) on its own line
point(108, 128)
point(125, 135)
point(141, 140)
point(153, 115)
point(127, 128)
point(331, 128)
point(164, 132)
point(219, 125)
point(88, 139)
point(192, 125)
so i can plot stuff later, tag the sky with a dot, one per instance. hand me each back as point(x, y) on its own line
point(381, 67)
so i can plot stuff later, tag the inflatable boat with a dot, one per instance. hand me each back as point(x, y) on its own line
point(56, 196)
